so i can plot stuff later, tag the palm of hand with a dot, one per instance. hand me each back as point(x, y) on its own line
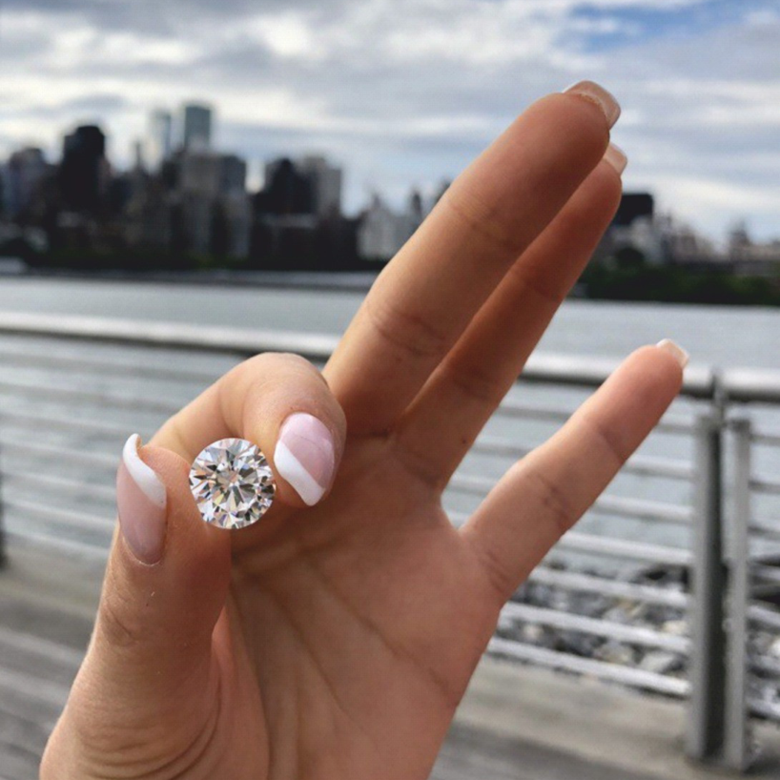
point(359, 624)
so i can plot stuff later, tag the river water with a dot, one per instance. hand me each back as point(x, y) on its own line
point(720, 336)
point(723, 336)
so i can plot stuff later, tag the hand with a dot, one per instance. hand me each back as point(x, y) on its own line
point(335, 641)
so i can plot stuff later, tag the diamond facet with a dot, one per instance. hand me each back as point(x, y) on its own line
point(232, 483)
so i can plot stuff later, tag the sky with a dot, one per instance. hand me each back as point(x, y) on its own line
point(405, 93)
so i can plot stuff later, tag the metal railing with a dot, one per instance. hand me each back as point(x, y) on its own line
point(660, 588)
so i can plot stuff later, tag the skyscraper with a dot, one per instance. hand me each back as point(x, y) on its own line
point(84, 169)
point(196, 126)
point(24, 175)
point(325, 184)
point(158, 142)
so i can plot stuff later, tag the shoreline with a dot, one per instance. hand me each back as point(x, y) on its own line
point(328, 281)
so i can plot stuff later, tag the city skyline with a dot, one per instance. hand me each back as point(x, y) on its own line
point(408, 93)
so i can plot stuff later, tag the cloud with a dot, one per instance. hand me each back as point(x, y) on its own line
point(407, 91)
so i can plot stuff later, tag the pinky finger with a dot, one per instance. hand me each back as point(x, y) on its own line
point(545, 494)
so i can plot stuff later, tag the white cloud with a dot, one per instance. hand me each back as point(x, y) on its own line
point(407, 91)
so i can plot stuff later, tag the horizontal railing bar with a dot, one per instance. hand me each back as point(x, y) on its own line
point(92, 553)
point(639, 551)
point(763, 527)
point(765, 709)
point(548, 368)
point(640, 509)
point(513, 409)
point(49, 693)
point(766, 486)
point(603, 670)
point(65, 393)
point(764, 664)
point(749, 384)
point(68, 454)
point(14, 419)
point(168, 335)
point(766, 437)
point(620, 632)
point(82, 521)
point(100, 492)
point(766, 573)
point(39, 646)
point(645, 466)
point(765, 616)
point(89, 365)
point(602, 545)
point(586, 583)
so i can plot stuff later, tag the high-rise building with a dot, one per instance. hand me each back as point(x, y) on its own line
point(287, 190)
point(159, 139)
point(196, 126)
point(325, 184)
point(212, 175)
point(23, 175)
point(84, 170)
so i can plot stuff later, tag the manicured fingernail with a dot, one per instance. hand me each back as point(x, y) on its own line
point(598, 95)
point(141, 499)
point(305, 456)
point(616, 157)
point(675, 350)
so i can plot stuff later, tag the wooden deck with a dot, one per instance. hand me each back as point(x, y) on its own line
point(516, 722)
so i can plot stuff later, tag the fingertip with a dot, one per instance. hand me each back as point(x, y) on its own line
point(306, 457)
point(652, 373)
point(188, 535)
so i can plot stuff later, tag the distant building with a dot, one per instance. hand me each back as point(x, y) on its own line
point(753, 258)
point(159, 141)
point(215, 209)
point(634, 233)
point(633, 206)
point(22, 176)
point(84, 169)
point(382, 231)
point(287, 190)
point(325, 183)
point(196, 127)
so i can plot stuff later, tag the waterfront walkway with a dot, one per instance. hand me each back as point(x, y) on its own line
point(516, 722)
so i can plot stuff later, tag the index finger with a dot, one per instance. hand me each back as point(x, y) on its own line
point(427, 295)
point(279, 402)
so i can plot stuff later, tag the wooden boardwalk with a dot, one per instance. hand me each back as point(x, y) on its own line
point(516, 723)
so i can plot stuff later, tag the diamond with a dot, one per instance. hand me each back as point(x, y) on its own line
point(232, 483)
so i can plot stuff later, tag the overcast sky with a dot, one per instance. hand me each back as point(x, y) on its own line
point(406, 92)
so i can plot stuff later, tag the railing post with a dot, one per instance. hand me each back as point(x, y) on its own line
point(2, 518)
point(736, 754)
point(704, 739)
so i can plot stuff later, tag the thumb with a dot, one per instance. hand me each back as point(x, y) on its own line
point(165, 588)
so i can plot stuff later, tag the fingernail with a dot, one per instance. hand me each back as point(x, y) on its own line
point(305, 456)
point(598, 95)
point(675, 350)
point(616, 157)
point(141, 499)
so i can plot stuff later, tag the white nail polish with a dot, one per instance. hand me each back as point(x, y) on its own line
point(292, 470)
point(675, 350)
point(305, 456)
point(143, 476)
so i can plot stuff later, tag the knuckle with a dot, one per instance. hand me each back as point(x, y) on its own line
point(478, 216)
point(552, 501)
point(120, 624)
point(405, 330)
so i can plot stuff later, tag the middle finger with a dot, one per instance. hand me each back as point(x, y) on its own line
point(427, 295)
